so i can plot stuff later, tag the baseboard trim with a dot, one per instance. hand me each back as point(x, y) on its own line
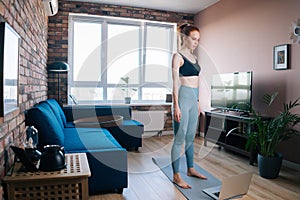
point(291, 165)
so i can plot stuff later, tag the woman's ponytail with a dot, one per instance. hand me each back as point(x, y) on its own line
point(184, 30)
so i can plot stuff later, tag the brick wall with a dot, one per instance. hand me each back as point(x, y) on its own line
point(58, 31)
point(29, 21)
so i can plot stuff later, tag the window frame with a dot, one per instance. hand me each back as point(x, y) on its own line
point(105, 21)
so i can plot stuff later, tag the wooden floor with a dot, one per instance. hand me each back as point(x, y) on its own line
point(147, 182)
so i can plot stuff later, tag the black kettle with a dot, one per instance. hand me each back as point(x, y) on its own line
point(52, 158)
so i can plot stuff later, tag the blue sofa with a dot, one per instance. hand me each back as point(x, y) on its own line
point(128, 134)
point(107, 158)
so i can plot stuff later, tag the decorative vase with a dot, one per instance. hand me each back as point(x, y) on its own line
point(127, 100)
point(52, 158)
point(269, 167)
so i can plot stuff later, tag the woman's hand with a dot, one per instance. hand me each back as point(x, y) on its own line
point(177, 114)
point(199, 109)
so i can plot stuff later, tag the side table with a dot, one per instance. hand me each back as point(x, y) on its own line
point(68, 183)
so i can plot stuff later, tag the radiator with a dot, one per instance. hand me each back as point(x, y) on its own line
point(153, 120)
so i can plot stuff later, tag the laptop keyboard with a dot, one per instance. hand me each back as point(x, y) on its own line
point(217, 194)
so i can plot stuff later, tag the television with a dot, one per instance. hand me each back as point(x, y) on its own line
point(232, 91)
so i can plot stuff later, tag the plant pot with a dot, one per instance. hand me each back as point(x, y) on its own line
point(127, 100)
point(269, 167)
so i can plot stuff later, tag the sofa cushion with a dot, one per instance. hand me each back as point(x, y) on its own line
point(58, 112)
point(128, 134)
point(73, 113)
point(83, 139)
point(50, 131)
point(132, 123)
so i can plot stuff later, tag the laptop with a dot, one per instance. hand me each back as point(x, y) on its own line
point(233, 186)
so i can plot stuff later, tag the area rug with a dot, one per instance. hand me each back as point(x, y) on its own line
point(197, 184)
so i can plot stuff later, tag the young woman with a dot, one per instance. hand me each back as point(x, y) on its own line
point(185, 74)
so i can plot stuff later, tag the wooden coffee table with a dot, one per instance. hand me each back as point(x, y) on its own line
point(99, 121)
point(69, 183)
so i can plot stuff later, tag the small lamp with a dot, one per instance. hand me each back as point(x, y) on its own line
point(58, 67)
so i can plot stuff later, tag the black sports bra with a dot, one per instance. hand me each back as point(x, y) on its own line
point(188, 68)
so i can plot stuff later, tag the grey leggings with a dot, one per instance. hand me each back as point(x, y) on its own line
point(185, 130)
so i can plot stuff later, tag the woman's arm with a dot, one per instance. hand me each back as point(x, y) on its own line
point(176, 64)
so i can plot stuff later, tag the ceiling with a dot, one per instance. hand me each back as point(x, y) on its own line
point(183, 6)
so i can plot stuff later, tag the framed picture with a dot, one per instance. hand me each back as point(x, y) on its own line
point(281, 57)
point(9, 68)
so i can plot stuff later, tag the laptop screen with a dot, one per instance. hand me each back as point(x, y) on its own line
point(231, 187)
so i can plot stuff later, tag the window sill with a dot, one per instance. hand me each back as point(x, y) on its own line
point(123, 104)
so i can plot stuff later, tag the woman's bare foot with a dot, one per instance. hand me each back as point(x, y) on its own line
point(194, 173)
point(180, 182)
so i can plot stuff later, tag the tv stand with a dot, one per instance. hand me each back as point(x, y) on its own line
point(220, 110)
point(245, 114)
point(229, 130)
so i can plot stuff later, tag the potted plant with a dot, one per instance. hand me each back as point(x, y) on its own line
point(269, 133)
point(126, 89)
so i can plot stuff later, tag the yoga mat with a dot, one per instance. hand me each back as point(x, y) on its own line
point(195, 193)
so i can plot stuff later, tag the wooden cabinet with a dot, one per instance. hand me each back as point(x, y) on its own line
point(228, 130)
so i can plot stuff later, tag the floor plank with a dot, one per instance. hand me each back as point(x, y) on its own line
point(146, 181)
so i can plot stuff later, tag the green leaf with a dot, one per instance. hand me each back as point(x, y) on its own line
point(269, 98)
point(269, 132)
point(125, 79)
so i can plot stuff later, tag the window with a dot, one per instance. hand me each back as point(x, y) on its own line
point(104, 49)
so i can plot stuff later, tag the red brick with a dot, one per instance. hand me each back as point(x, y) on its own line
point(28, 19)
point(2, 9)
